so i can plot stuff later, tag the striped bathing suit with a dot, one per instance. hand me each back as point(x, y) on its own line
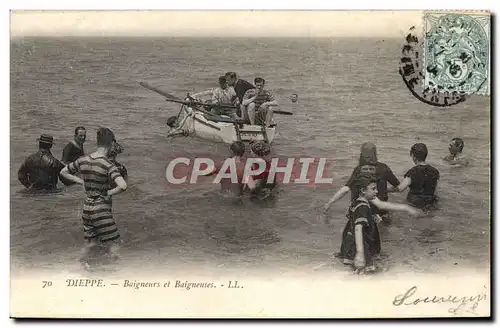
point(262, 97)
point(98, 175)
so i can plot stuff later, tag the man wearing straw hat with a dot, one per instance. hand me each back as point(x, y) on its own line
point(40, 171)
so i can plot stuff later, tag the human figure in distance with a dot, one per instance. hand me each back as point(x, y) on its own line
point(456, 157)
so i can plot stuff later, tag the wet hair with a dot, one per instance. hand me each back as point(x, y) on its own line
point(363, 180)
point(115, 149)
point(259, 80)
point(368, 154)
point(105, 137)
point(78, 128)
point(419, 151)
point(171, 121)
point(237, 148)
point(260, 148)
point(230, 75)
point(459, 143)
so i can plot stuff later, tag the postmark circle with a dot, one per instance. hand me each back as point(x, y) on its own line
point(456, 53)
point(411, 71)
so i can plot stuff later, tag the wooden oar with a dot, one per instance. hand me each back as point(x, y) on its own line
point(163, 93)
point(172, 98)
point(282, 112)
point(175, 99)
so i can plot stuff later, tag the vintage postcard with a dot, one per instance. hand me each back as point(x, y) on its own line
point(250, 164)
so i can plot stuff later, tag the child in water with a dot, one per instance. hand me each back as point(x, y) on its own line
point(360, 238)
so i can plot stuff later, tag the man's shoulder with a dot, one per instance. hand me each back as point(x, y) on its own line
point(268, 92)
point(461, 159)
point(432, 168)
point(83, 158)
point(464, 159)
point(427, 170)
point(32, 156)
point(412, 170)
point(49, 160)
point(69, 145)
point(246, 83)
point(103, 161)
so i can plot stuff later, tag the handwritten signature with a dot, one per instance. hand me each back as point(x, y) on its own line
point(461, 304)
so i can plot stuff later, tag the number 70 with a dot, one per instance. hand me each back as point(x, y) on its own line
point(46, 284)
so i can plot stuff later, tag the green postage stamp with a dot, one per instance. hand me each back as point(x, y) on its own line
point(457, 52)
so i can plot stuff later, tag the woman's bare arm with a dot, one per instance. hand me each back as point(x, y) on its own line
point(338, 195)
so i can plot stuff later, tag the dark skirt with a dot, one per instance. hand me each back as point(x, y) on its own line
point(371, 242)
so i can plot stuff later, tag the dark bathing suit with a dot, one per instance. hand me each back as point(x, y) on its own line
point(40, 171)
point(424, 179)
point(264, 187)
point(359, 213)
point(384, 175)
point(241, 87)
point(71, 153)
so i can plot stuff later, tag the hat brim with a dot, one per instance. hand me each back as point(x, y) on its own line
point(45, 141)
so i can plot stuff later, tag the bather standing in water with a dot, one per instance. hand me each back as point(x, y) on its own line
point(264, 188)
point(101, 180)
point(74, 148)
point(456, 158)
point(40, 171)
point(236, 185)
point(422, 179)
point(368, 163)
